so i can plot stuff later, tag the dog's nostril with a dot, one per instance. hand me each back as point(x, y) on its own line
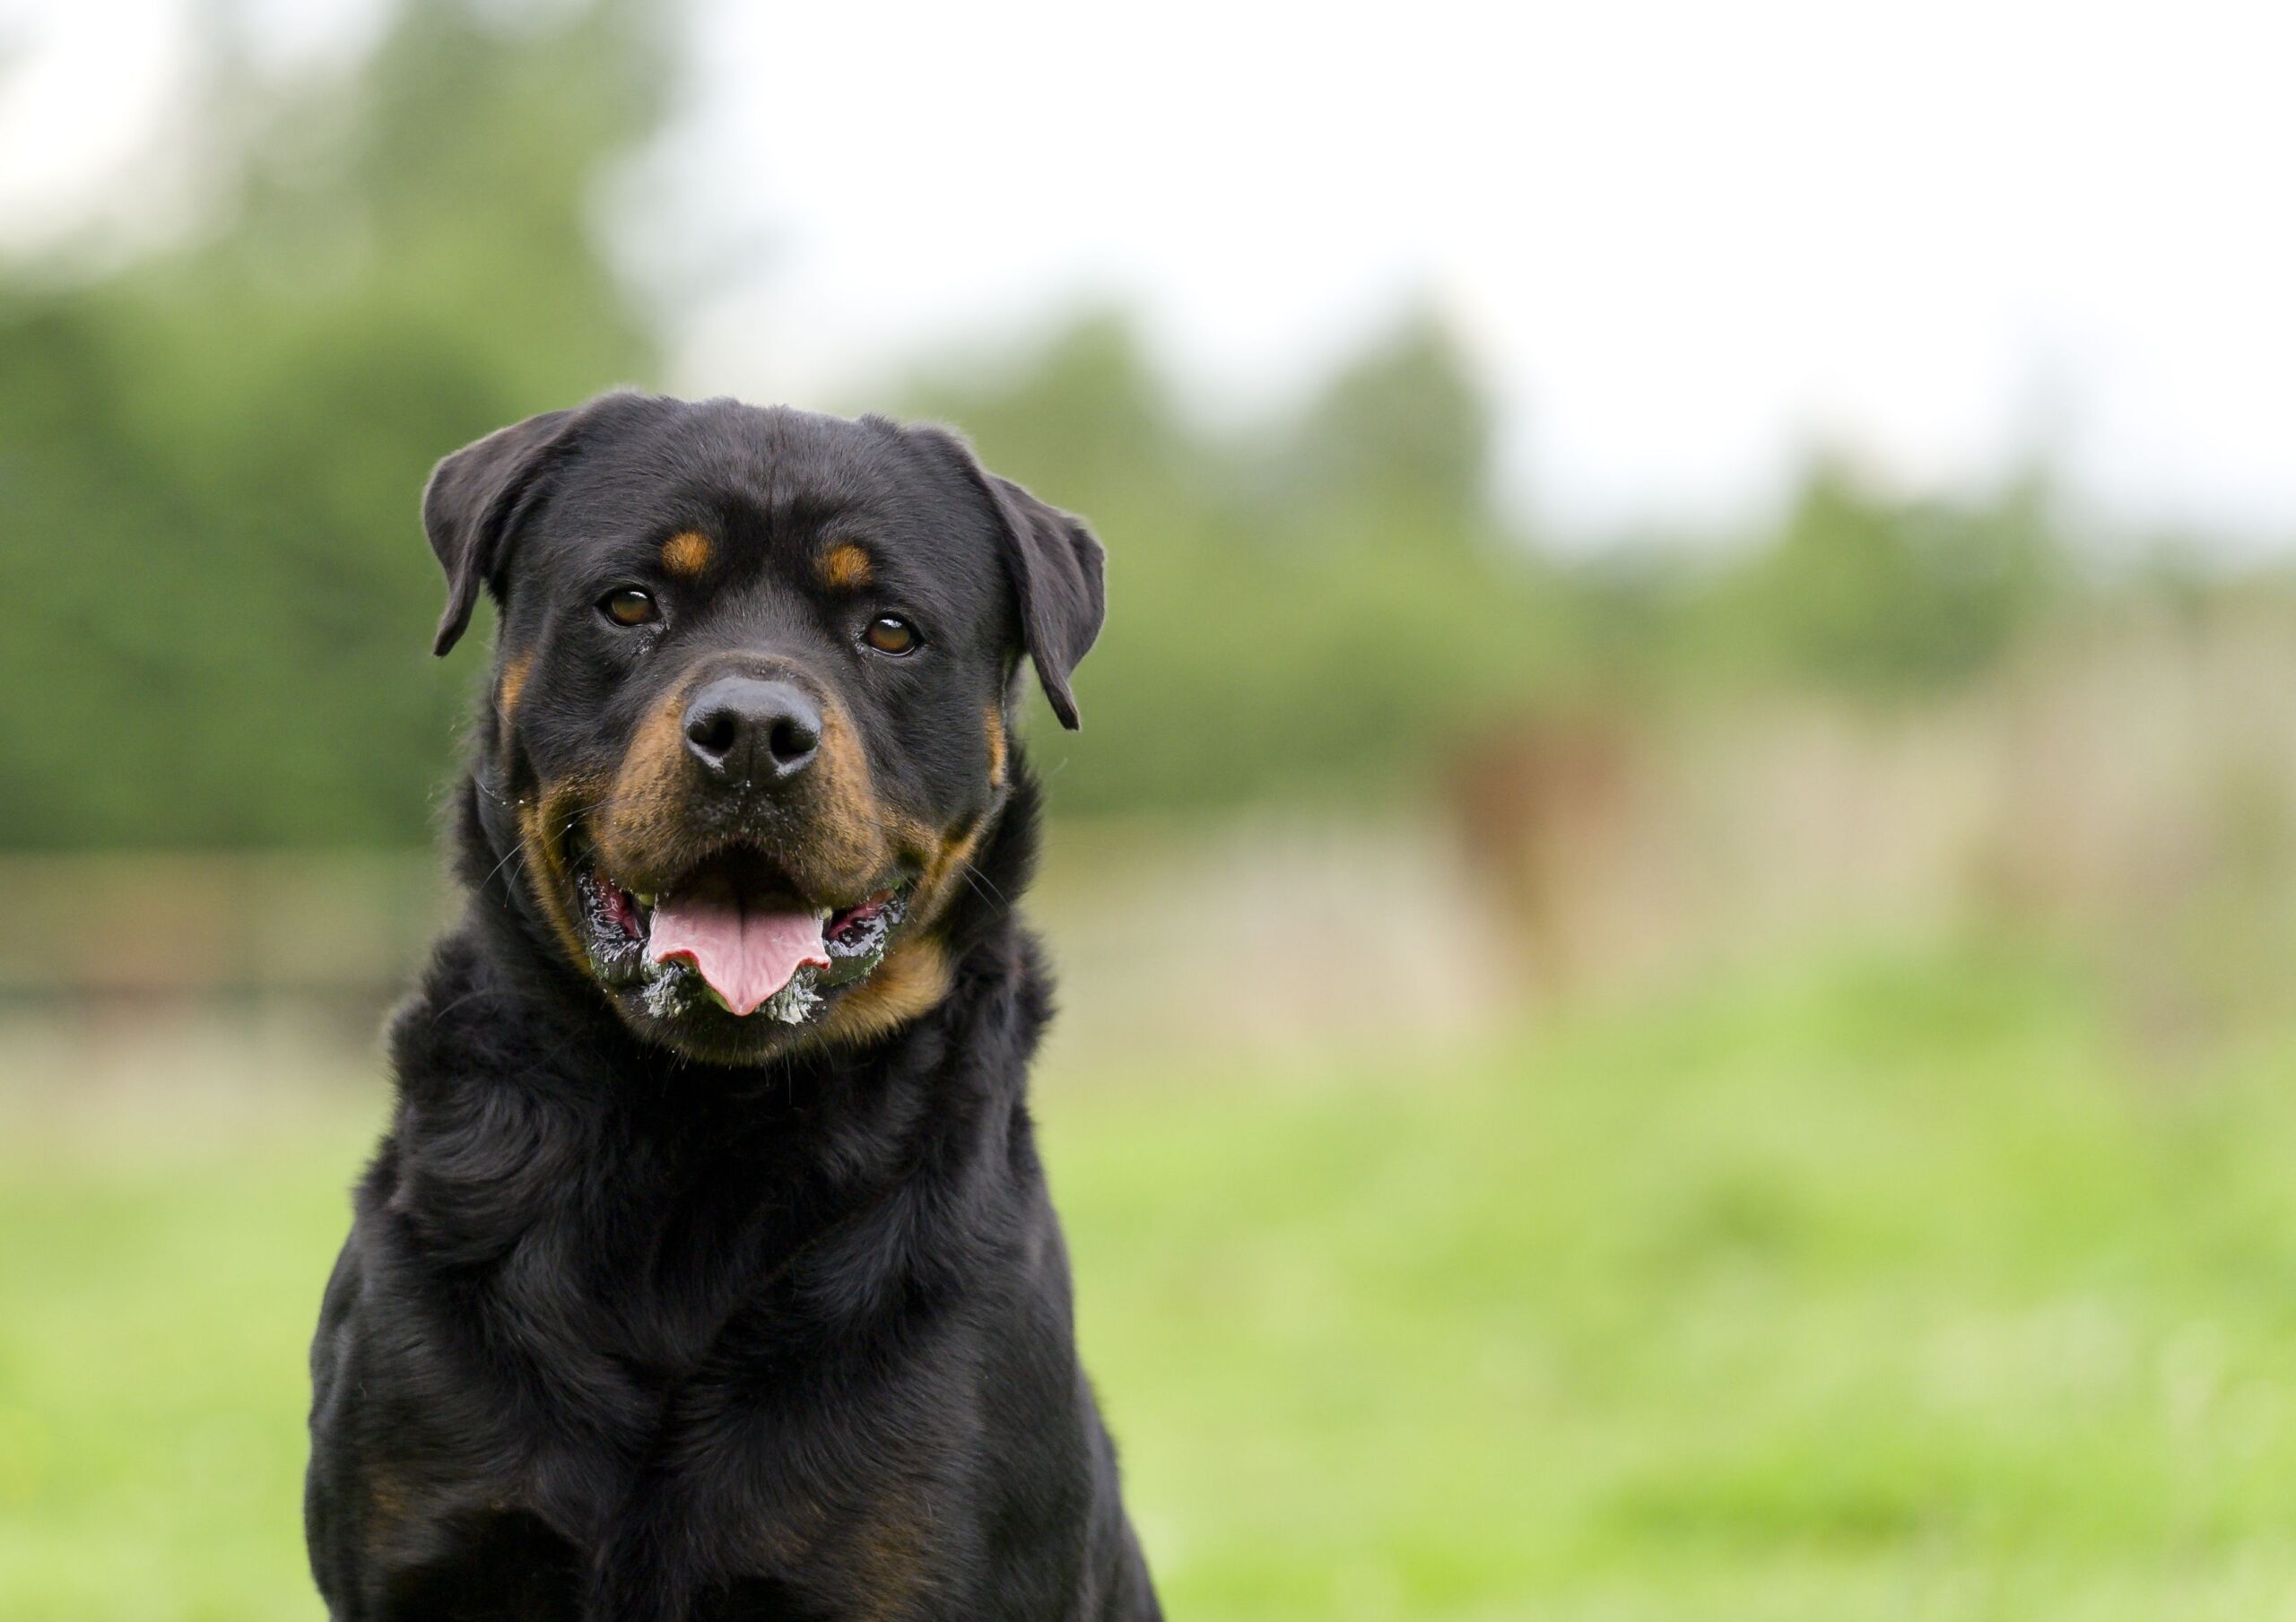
point(714, 732)
point(792, 739)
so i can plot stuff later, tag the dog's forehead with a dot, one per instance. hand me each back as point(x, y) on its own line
point(770, 474)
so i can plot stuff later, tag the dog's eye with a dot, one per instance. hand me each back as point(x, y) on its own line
point(890, 634)
point(627, 605)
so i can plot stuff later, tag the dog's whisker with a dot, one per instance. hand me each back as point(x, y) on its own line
point(517, 853)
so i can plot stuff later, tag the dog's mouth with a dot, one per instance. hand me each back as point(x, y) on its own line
point(736, 931)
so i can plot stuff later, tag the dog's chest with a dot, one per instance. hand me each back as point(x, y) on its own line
point(685, 1382)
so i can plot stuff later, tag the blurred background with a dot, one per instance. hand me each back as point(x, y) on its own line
point(1676, 903)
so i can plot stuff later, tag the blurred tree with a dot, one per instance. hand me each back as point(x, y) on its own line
point(1082, 412)
point(1879, 597)
point(208, 458)
point(1400, 440)
point(1324, 608)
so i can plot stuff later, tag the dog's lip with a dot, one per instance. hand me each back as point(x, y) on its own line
point(632, 908)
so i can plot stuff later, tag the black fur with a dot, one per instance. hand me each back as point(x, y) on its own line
point(621, 1334)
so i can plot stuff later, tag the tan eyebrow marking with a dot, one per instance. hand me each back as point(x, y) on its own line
point(845, 566)
point(686, 553)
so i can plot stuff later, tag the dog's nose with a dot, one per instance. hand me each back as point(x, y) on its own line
point(745, 729)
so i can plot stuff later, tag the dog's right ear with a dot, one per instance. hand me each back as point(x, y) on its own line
point(472, 505)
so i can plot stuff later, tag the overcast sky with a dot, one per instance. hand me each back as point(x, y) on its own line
point(1685, 241)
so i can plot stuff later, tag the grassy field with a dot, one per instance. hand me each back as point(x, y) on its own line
point(1889, 1288)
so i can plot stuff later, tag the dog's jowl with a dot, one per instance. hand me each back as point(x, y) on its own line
point(707, 1268)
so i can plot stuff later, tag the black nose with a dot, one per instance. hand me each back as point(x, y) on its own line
point(745, 730)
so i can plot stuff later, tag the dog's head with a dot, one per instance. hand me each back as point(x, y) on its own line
point(753, 697)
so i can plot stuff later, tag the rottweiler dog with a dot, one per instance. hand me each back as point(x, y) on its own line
point(707, 1268)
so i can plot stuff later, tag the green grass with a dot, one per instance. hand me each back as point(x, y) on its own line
point(1892, 1289)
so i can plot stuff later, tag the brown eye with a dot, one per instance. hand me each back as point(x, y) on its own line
point(629, 606)
point(890, 634)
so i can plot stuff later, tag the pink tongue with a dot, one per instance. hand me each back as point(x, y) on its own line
point(745, 954)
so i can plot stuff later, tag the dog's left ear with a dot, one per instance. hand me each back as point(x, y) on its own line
point(1058, 567)
point(472, 505)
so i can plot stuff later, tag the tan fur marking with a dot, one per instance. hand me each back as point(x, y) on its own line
point(914, 976)
point(996, 747)
point(546, 870)
point(794, 1530)
point(889, 1558)
point(645, 801)
point(873, 1553)
point(506, 695)
point(854, 832)
point(937, 882)
point(386, 1507)
point(380, 1529)
point(853, 839)
point(686, 553)
point(642, 837)
point(514, 683)
point(845, 566)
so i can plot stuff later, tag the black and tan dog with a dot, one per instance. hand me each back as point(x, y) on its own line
point(707, 1270)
